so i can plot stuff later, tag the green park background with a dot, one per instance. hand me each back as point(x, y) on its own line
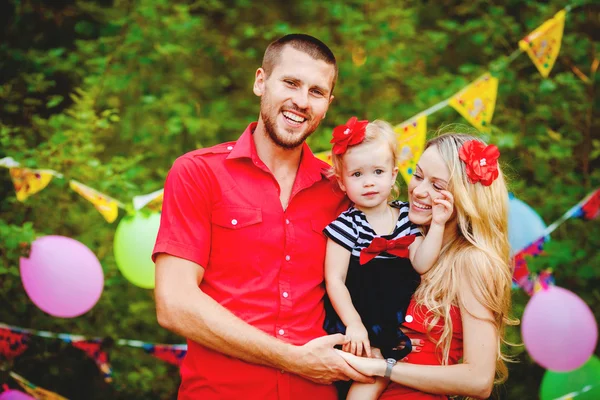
point(111, 92)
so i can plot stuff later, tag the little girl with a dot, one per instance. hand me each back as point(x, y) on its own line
point(368, 271)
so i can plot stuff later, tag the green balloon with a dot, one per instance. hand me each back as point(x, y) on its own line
point(134, 241)
point(582, 383)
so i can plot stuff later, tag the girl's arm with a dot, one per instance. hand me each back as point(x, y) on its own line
point(474, 377)
point(337, 259)
point(424, 252)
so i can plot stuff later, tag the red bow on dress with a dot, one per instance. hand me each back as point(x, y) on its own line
point(397, 247)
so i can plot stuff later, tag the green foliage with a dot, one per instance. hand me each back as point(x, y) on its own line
point(110, 92)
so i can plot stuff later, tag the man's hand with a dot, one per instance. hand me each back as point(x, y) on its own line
point(318, 361)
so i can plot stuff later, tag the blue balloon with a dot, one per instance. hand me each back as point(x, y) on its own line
point(525, 226)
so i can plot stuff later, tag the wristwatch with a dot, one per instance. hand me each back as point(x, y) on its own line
point(390, 364)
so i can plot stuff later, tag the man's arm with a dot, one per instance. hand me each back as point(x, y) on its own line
point(184, 309)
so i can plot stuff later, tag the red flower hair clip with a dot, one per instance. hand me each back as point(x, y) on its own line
point(481, 161)
point(353, 132)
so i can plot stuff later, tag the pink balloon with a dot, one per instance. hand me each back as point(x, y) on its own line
point(15, 395)
point(559, 330)
point(62, 276)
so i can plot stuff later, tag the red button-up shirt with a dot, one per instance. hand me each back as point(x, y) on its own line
point(222, 211)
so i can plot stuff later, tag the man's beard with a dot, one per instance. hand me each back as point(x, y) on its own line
point(271, 130)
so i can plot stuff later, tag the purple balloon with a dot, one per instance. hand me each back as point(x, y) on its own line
point(559, 330)
point(15, 395)
point(62, 276)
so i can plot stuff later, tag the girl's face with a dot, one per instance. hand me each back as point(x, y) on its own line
point(368, 174)
point(431, 176)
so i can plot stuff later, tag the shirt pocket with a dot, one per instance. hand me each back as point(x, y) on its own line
point(236, 233)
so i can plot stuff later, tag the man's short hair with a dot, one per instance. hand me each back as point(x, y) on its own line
point(301, 42)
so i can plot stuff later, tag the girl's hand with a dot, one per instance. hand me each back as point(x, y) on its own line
point(366, 366)
point(359, 340)
point(442, 208)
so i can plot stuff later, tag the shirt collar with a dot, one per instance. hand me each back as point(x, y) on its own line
point(310, 169)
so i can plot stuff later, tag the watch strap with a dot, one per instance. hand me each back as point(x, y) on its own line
point(388, 370)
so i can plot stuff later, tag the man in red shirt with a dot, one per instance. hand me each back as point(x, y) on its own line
point(240, 251)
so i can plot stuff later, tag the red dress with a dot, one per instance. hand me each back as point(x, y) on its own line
point(429, 354)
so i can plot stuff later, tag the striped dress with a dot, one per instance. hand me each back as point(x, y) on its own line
point(380, 289)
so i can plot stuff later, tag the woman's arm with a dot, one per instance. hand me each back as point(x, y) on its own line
point(474, 377)
point(337, 259)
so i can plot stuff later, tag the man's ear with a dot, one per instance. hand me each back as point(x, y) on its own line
point(331, 98)
point(259, 82)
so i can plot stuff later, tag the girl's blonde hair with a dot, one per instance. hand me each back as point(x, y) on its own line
point(377, 130)
point(477, 254)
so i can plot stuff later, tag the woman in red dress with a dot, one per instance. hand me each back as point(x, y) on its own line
point(458, 314)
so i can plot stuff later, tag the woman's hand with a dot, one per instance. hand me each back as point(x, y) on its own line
point(364, 365)
point(443, 208)
point(359, 340)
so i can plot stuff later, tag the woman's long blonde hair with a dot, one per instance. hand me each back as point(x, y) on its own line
point(477, 254)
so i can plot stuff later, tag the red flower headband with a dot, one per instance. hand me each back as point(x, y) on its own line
point(481, 161)
point(350, 134)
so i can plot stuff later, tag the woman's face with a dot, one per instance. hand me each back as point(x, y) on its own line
point(431, 176)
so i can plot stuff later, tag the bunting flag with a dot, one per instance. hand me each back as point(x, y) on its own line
point(543, 44)
point(543, 280)
point(12, 344)
point(107, 206)
point(172, 354)
point(590, 206)
point(30, 181)
point(152, 201)
point(35, 391)
point(324, 156)
point(477, 101)
point(411, 142)
point(8, 162)
point(521, 274)
point(14, 340)
point(93, 348)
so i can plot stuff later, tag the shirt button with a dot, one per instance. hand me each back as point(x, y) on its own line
point(234, 222)
point(281, 331)
point(285, 294)
point(229, 148)
point(287, 221)
point(287, 258)
point(409, 318)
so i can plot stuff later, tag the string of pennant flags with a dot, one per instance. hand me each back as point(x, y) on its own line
point(476, 103)
point(588, 209)
point(15, 340)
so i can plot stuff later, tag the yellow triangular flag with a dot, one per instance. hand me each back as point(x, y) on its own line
point(152, 201)
point(324, 156)
point(411, 141)
point(30, 181)
point(477, 101)
point(107, 206)
point(37, 392)
point(543, 44)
